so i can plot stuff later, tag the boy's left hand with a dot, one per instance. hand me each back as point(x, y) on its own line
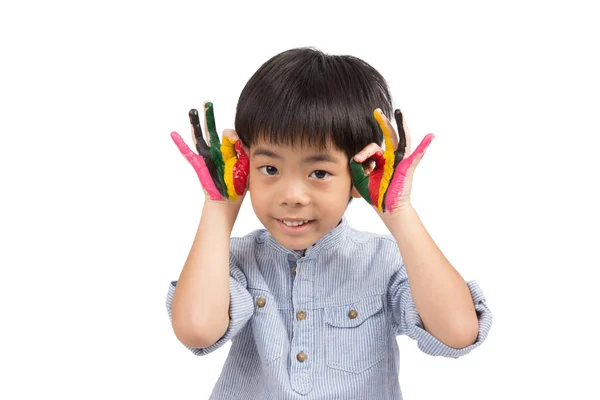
point(387, 186)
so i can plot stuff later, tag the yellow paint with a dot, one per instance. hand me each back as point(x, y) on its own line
point(230, 158)
point(388, 155)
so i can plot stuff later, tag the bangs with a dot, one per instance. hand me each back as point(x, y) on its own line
point(303, 97)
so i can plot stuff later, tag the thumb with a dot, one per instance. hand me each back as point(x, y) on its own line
point(233, 136)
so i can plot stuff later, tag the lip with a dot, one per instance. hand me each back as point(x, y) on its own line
point(294, 229)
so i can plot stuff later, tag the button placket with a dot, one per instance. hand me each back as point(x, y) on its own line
point(302, 341)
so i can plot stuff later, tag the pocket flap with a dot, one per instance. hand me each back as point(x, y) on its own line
point(354, 314)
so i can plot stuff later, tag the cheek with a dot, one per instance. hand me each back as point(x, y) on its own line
point(259, 193)
point(256, 182)
point(336, 196)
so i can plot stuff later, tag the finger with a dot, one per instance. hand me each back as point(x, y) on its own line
point(403, 132)
point(195, 160)
point(236, 139)
point(372, 148)
point(231, 134)
point(368, 184)
point(360, 180)
point(392, 132)
point(387, 167)
point(230, 160)
point(379, 177)
point(193, 130)
point(416, 157)
point(197, 136)
point(241, 169)
point(210, 124)
point(239, 145)
point(183, 147)
point(215, 147)
point(204, 168)
point(204, 106)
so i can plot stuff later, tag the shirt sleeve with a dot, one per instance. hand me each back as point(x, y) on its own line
point(406, 319)
point(241, 308)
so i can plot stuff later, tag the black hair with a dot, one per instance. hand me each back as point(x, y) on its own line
point(304, 96)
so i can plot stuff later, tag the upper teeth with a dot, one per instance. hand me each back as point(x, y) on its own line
point(294, 223)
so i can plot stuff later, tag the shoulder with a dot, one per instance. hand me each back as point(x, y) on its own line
point(242, 247)
point(374, 245)
point(379, 241)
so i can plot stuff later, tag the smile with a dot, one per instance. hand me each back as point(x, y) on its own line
point(294, 223)
point(295, 227)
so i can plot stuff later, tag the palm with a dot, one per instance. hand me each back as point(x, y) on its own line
point(221, 168)
point(389, 185)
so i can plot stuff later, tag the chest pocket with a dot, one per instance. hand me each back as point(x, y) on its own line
point(355, 335)
point(267, 327)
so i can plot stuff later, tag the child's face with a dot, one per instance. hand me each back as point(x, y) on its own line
point(298, 184)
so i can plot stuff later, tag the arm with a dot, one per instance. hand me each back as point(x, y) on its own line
point(441, 295)
point(199, 304)
point(201, 300)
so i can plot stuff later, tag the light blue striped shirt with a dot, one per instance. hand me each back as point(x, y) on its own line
point(321, 325)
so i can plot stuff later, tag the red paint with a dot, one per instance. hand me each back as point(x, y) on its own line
point(375, 177)
point(241, 169)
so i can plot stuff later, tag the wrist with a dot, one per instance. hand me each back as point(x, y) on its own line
point(225, 211)
point(400, 213)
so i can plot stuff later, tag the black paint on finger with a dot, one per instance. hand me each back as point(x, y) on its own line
point(204, 149)
point(399, 153)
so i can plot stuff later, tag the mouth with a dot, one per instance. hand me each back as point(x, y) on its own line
point(295, 225)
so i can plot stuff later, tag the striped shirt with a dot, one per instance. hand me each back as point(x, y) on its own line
point(323, 324)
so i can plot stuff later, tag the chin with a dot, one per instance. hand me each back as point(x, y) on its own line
point(295, 243)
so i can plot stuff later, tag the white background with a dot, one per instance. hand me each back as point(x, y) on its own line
point(99, 209)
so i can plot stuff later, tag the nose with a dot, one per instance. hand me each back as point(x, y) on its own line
point(294, 193)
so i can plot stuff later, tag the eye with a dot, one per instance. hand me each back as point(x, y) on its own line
point(319, 174)
point(268, 170)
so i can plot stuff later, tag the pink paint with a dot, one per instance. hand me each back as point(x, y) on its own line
point(396, 188)
point(199, 166)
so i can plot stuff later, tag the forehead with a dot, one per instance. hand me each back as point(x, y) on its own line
point(310, 152)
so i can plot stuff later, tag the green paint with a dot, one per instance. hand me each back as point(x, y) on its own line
point(361, 182)
point(215, 147)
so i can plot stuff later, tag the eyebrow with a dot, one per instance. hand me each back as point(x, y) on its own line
point(322, 157)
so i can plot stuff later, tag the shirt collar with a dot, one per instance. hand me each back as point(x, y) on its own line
point(333, 237)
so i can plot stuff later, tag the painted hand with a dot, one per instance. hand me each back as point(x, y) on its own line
point(222, 168)
point(387, 186)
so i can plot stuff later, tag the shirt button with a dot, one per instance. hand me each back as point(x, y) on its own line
point(261, 302)
point(294, 270)
point(301, 356)
point(353, 314)
point(301, 315)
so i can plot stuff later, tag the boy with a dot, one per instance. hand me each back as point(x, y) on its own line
point(312, 306)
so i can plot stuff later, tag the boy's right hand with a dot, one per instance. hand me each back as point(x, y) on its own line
point(222, 168)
